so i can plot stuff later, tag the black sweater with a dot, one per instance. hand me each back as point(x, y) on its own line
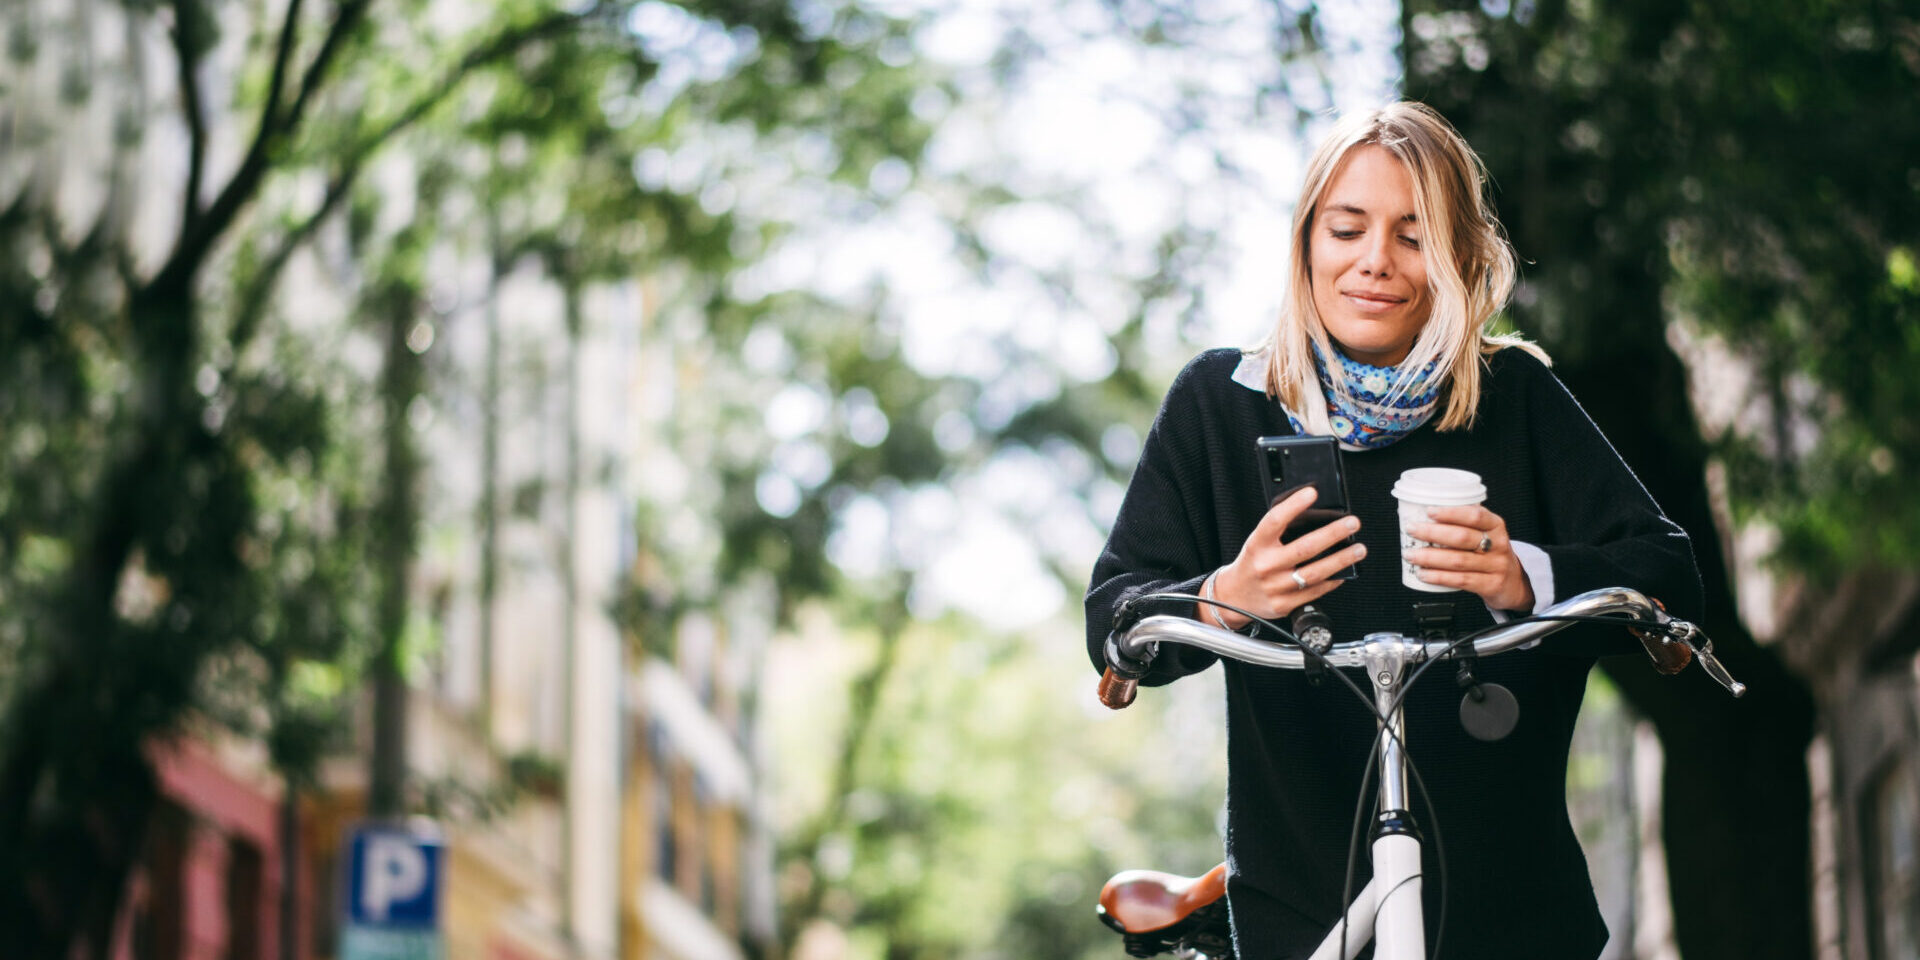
point(1517, 880)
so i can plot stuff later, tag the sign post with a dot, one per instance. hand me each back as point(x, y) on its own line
point(394, 877)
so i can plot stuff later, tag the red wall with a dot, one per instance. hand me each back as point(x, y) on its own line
point(209, 888)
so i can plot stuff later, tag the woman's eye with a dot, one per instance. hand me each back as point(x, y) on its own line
point(1413, 242)
point(1344, 234)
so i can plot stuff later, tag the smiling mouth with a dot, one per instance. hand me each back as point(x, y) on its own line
point(1373, 301)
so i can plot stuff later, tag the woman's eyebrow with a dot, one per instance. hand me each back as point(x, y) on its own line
point(1356, 211)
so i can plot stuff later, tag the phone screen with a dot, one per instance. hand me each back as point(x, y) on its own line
point(1289, 463)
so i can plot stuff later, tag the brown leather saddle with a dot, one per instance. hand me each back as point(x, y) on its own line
point(1160, 912)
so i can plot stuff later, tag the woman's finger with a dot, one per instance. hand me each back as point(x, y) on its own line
point(1319, 570)
point(1320, 539)
point(1454, 538)
point(1314, 591)
point(1465, 561)
point(1463, 528)
point(1473, 582)
point(1275, 522)
point(1499, 591)
point(1272, 592)
point(1472, 515)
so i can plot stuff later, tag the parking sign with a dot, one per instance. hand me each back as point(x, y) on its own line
point(393, 893)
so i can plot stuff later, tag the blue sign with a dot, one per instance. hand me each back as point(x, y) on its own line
point(394, 879)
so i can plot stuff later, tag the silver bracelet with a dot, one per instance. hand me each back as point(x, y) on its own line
point(1213, 609)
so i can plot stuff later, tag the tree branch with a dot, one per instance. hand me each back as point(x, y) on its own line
point(508, 42)
point(198, 237)
point(186, 40)
point(349, 16)
point(282, 55)
point(253, 300)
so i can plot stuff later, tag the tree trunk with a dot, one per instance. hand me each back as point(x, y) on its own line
point(73, 823)
point(397, 519)
point(1736, 796)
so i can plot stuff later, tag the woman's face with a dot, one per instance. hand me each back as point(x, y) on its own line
point(1369, 278)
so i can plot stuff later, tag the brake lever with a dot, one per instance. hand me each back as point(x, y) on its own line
point(1702, 647)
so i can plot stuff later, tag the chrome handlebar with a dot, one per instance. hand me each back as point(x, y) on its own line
point(1129, 651)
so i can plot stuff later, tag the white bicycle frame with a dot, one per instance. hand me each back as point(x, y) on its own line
point(1388, 909)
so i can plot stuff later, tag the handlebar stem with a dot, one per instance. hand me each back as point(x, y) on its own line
point(1387, 657)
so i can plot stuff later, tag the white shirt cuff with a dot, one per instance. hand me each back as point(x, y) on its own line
point(1539, 570)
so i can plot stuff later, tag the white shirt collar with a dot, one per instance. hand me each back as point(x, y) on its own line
point(1252, 374)
point(1252, 371)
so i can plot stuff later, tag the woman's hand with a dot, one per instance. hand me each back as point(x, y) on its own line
point(1471, 552)
point(1272, 577)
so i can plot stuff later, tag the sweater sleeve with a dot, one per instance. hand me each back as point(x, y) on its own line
point(1159, 540)
point(1603, 528)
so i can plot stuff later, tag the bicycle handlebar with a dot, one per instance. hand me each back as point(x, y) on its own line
point(1130, 652)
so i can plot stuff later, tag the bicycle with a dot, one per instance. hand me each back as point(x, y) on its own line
point(1186, 917)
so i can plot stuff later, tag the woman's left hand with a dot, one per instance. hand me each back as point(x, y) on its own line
point(1457, 558)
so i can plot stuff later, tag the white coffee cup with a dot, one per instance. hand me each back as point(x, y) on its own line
point(1421, 489)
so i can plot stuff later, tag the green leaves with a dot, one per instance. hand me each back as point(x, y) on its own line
point(1724, 158)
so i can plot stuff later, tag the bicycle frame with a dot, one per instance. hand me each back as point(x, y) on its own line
point(1389, 905)
point(1388, 909)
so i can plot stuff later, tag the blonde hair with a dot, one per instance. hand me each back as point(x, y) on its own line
point(1470, 265)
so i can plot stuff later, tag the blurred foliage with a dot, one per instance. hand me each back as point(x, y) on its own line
point(537, 773)
point(1754, 166)
point(986, 808)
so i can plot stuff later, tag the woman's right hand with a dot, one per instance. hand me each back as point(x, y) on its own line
point(1263, 578)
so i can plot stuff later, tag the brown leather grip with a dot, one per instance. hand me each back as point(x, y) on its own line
point(1669, 657)
point(1116, 691)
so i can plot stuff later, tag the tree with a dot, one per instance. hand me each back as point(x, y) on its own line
point(1661, 164)
point(194, 487)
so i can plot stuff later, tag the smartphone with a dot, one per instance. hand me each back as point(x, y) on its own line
point(1289, 463)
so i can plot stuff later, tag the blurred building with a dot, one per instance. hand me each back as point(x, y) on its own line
point(600, 791)
point(1859, 644)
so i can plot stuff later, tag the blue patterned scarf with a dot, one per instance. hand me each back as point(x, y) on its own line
point(1371, 412)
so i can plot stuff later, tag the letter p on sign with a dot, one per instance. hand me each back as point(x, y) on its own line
point(396, 872)
point(393, 878)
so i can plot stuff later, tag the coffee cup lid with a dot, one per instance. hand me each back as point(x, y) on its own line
point(1440, 486)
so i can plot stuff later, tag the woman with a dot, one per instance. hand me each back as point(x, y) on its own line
point(1398, 268)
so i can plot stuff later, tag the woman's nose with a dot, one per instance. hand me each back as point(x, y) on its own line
point(1374, 260)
